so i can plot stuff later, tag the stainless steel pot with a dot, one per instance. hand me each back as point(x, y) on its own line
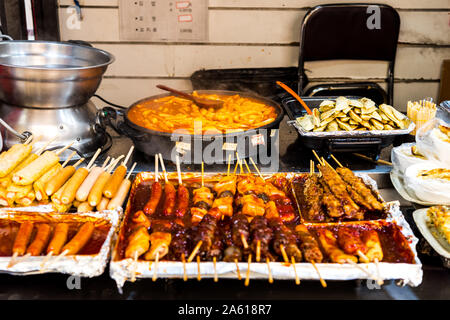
point(45, 74)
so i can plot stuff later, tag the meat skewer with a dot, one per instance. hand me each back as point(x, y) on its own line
point(374, 251)
point(202, 201)
point(21, 242)
point(330, 246)
point(349, 240)
point(40, 241)
point(155, 194)
point(261, 235)
point(182, 194)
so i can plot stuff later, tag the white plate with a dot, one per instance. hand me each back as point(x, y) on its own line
point(430, 233)
point(399, 185)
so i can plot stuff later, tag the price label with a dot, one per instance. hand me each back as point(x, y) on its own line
point(228, 146)
point(257, 139)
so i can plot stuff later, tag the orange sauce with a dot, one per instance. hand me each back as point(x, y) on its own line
point(172, 113)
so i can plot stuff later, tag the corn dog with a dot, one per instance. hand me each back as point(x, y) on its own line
point(103, 204)
point(80, 239)
point(95, 196)
point(122, 193)
point(84, 207)
point(57, 181)
point(72, 185)
point(5, 181)
point(40, 240)
point(116, 178)
point(59, 238)
point(11, 158)
point(15, 192)
point(83, 191)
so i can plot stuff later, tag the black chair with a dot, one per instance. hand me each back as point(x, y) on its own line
point(341, 32)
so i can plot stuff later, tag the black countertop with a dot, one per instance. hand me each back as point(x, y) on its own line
point(435, 284)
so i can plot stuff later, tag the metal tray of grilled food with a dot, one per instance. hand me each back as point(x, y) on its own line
point(343, 141)
point(406, 266)
point(90, 259)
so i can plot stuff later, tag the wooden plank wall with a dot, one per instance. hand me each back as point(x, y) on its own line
point(260, 33)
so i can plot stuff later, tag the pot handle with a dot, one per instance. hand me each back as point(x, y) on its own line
point(5, 36)
point(112, 117)
point(22, 136)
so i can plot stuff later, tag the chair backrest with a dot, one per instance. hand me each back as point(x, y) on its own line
point(357, 31)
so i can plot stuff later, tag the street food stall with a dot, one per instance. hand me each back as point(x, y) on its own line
point(214, 192)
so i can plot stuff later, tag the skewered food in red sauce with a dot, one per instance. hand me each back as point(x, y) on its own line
point(155, 196)
point(262, 233)
point(22, 238)
point(373, 245)
point(331, 248)
point(170, 199)
point(203, 200)
point(182, 201)
point(206, 231)
point(308, 244)
point(283, 236)
point(350, 241)
point(239, 229)
point(313, 194)
point(40, 240)
point(138, 243)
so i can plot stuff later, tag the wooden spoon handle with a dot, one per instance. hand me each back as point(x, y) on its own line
point(178, 93)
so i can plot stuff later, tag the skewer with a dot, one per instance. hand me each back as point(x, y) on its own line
point(247, 276)
point(236, 166)
point(156, 168)
point(113, 164)
point(35, 140)
point(199, 277)
point(125, 161)
point(183, 259)
point(362, 256)
point(317, 157)
point(237, 269)
point(65, 148)
point(337, 161)
point(229, 160)
point(203, 173)
point(61, 255)
point(194, 252)
point(105, 162)
point(135, 265)
point(39, 151)
point(29, 139)
point(78, 163)
point(215, 270)
point(246, 165)
point(258, 250)
point(362, 269)
point(12, 262)
point(155, 271)
point(131, 171)
point(379, 161)
point(94, 157)
point(256, 168)
point(322, 282)
point(68, 159)
point(297, 279)
point(268, 270)
point(239, 162)
point(178, 170)
point(163, 167)
point(283, 252)
point(380, 280)
point(244, 241)
point(44, 262)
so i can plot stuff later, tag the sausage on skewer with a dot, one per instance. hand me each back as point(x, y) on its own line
point(79, 240)
point(40, 240)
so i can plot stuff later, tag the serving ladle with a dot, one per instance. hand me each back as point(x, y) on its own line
point(201, 102)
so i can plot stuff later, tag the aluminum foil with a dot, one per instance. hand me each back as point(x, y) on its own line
point(410, 274)
point(77, 265)
point(352, 134)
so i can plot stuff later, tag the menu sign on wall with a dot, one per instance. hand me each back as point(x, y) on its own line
point(163, 20)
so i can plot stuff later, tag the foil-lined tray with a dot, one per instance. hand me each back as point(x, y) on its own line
point(352, 134)
point(76, 265)
point(122, 270)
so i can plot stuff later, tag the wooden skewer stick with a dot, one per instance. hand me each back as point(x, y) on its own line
point(379, 280)
point(68, 159)
point(94, 157)
point(258, 250)
point(256, 168)
point(229, 161)
point(194, 252)
point(29, 139)
point(244, 241)
point(379, 161)
point(246, 165)
point(163, 168)
point(178, 170)
point(336, 160)
point(215, 270)
point(311, 167)
point(235, 167)
point(283, 252)
point(40, 150)
point(268, 270)
point(105, 162)
point(240, 162)
point(362, 269)
point(199, 277)
point(125, 161)
point(247, 276)
point(76, 164)
point(44, 262)
point(322, 282)
point(155, 270)
point(12, 262)
point(237, 269)
point(362, 256)
point(61, 255)
point(297, 279)
point(317, 157)
point(156, 168)
point(203, 174)
point(183, 259)
point(135, 265)
point(64, 149)
point(131, 171)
